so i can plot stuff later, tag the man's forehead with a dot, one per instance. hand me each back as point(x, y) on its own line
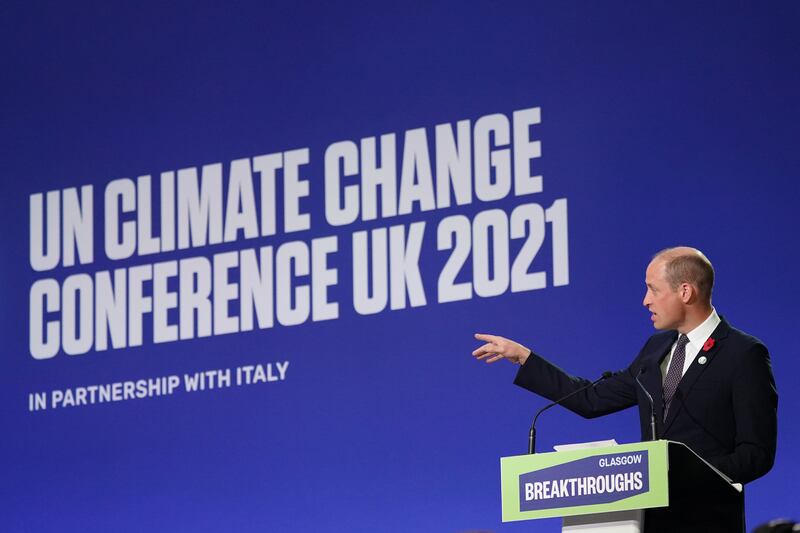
point(655, 268)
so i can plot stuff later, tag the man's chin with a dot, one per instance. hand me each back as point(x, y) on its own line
point(657, 324)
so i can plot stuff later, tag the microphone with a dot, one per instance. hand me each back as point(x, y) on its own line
point(652, 405)
point(532, 433)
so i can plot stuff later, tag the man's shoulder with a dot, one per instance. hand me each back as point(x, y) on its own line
point(731, 334)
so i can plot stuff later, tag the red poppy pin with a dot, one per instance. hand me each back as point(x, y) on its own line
point(708, 345)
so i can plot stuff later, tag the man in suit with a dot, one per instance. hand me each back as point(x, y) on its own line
point(712, 384)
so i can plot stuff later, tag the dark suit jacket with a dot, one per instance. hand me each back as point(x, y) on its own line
point(725, 409)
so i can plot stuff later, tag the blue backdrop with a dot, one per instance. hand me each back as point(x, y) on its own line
point(660, 124)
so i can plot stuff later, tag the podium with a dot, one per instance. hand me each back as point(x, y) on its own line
point(607, 489)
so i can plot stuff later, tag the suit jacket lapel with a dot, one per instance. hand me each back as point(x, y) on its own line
point(694, 371)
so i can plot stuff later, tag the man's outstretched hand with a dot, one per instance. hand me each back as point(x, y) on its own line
point(497, 348)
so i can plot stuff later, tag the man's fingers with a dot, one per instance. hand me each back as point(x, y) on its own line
point(494, 349)
point(486, 337)
point(487, 348)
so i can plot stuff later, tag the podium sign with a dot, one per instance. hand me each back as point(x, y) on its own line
point(586, 481)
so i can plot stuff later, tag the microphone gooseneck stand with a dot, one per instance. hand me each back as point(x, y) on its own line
point(652, 405)
point(532, 432)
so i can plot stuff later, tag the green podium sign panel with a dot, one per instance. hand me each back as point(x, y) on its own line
point(585, 481)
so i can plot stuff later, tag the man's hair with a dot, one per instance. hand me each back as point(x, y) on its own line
point(688, 265)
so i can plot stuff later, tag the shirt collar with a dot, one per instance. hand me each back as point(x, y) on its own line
point(699, 335)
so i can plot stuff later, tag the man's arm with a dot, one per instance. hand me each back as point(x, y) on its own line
point(538, 375)
point(546, 379)
point(755, 408)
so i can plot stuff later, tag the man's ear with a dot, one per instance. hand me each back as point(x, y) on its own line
point(687, 292)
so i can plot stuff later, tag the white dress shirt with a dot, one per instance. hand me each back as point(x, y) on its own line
point(697, 338)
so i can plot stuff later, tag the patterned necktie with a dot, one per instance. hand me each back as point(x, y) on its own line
point(675, 372)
